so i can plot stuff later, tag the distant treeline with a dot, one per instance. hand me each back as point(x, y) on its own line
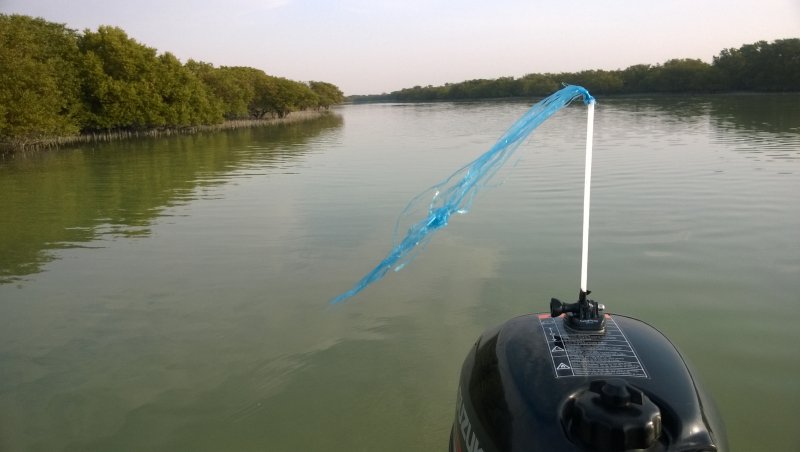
point(761, 66)
point(57, 82)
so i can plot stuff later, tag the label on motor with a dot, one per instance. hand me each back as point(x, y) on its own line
point(577, 354)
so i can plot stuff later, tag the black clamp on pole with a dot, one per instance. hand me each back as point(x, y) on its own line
point(584, 315)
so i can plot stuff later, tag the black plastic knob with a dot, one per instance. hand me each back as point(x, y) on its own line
point(614, 394)
point(612, 415)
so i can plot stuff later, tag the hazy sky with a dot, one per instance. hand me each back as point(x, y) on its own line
point(374, 46)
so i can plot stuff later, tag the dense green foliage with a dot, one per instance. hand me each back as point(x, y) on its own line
point(39, 78)
point(126, 85)
point(55, 81)
point(753, 67)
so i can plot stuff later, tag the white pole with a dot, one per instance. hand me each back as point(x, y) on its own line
point(587, 188)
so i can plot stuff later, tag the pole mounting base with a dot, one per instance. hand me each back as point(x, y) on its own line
point(584, 315)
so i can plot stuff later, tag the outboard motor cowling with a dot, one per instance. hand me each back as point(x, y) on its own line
point(538, 383)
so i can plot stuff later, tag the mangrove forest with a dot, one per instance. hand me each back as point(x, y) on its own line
point(760, 67)
point(58, 82)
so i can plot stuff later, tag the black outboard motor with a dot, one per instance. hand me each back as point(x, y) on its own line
point(578, 379)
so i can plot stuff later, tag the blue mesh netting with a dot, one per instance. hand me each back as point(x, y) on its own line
point(456, 193)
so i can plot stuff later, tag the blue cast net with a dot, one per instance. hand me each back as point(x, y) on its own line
point(454, 195)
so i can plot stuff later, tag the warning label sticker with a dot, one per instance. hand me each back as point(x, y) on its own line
point(581, 354)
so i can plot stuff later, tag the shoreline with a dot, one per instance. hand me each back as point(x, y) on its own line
point(350, 101)
point(11, 148)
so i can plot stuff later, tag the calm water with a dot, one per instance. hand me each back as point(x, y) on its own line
point(172, 294)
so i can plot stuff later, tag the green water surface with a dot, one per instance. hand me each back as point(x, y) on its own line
point(172, 294)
